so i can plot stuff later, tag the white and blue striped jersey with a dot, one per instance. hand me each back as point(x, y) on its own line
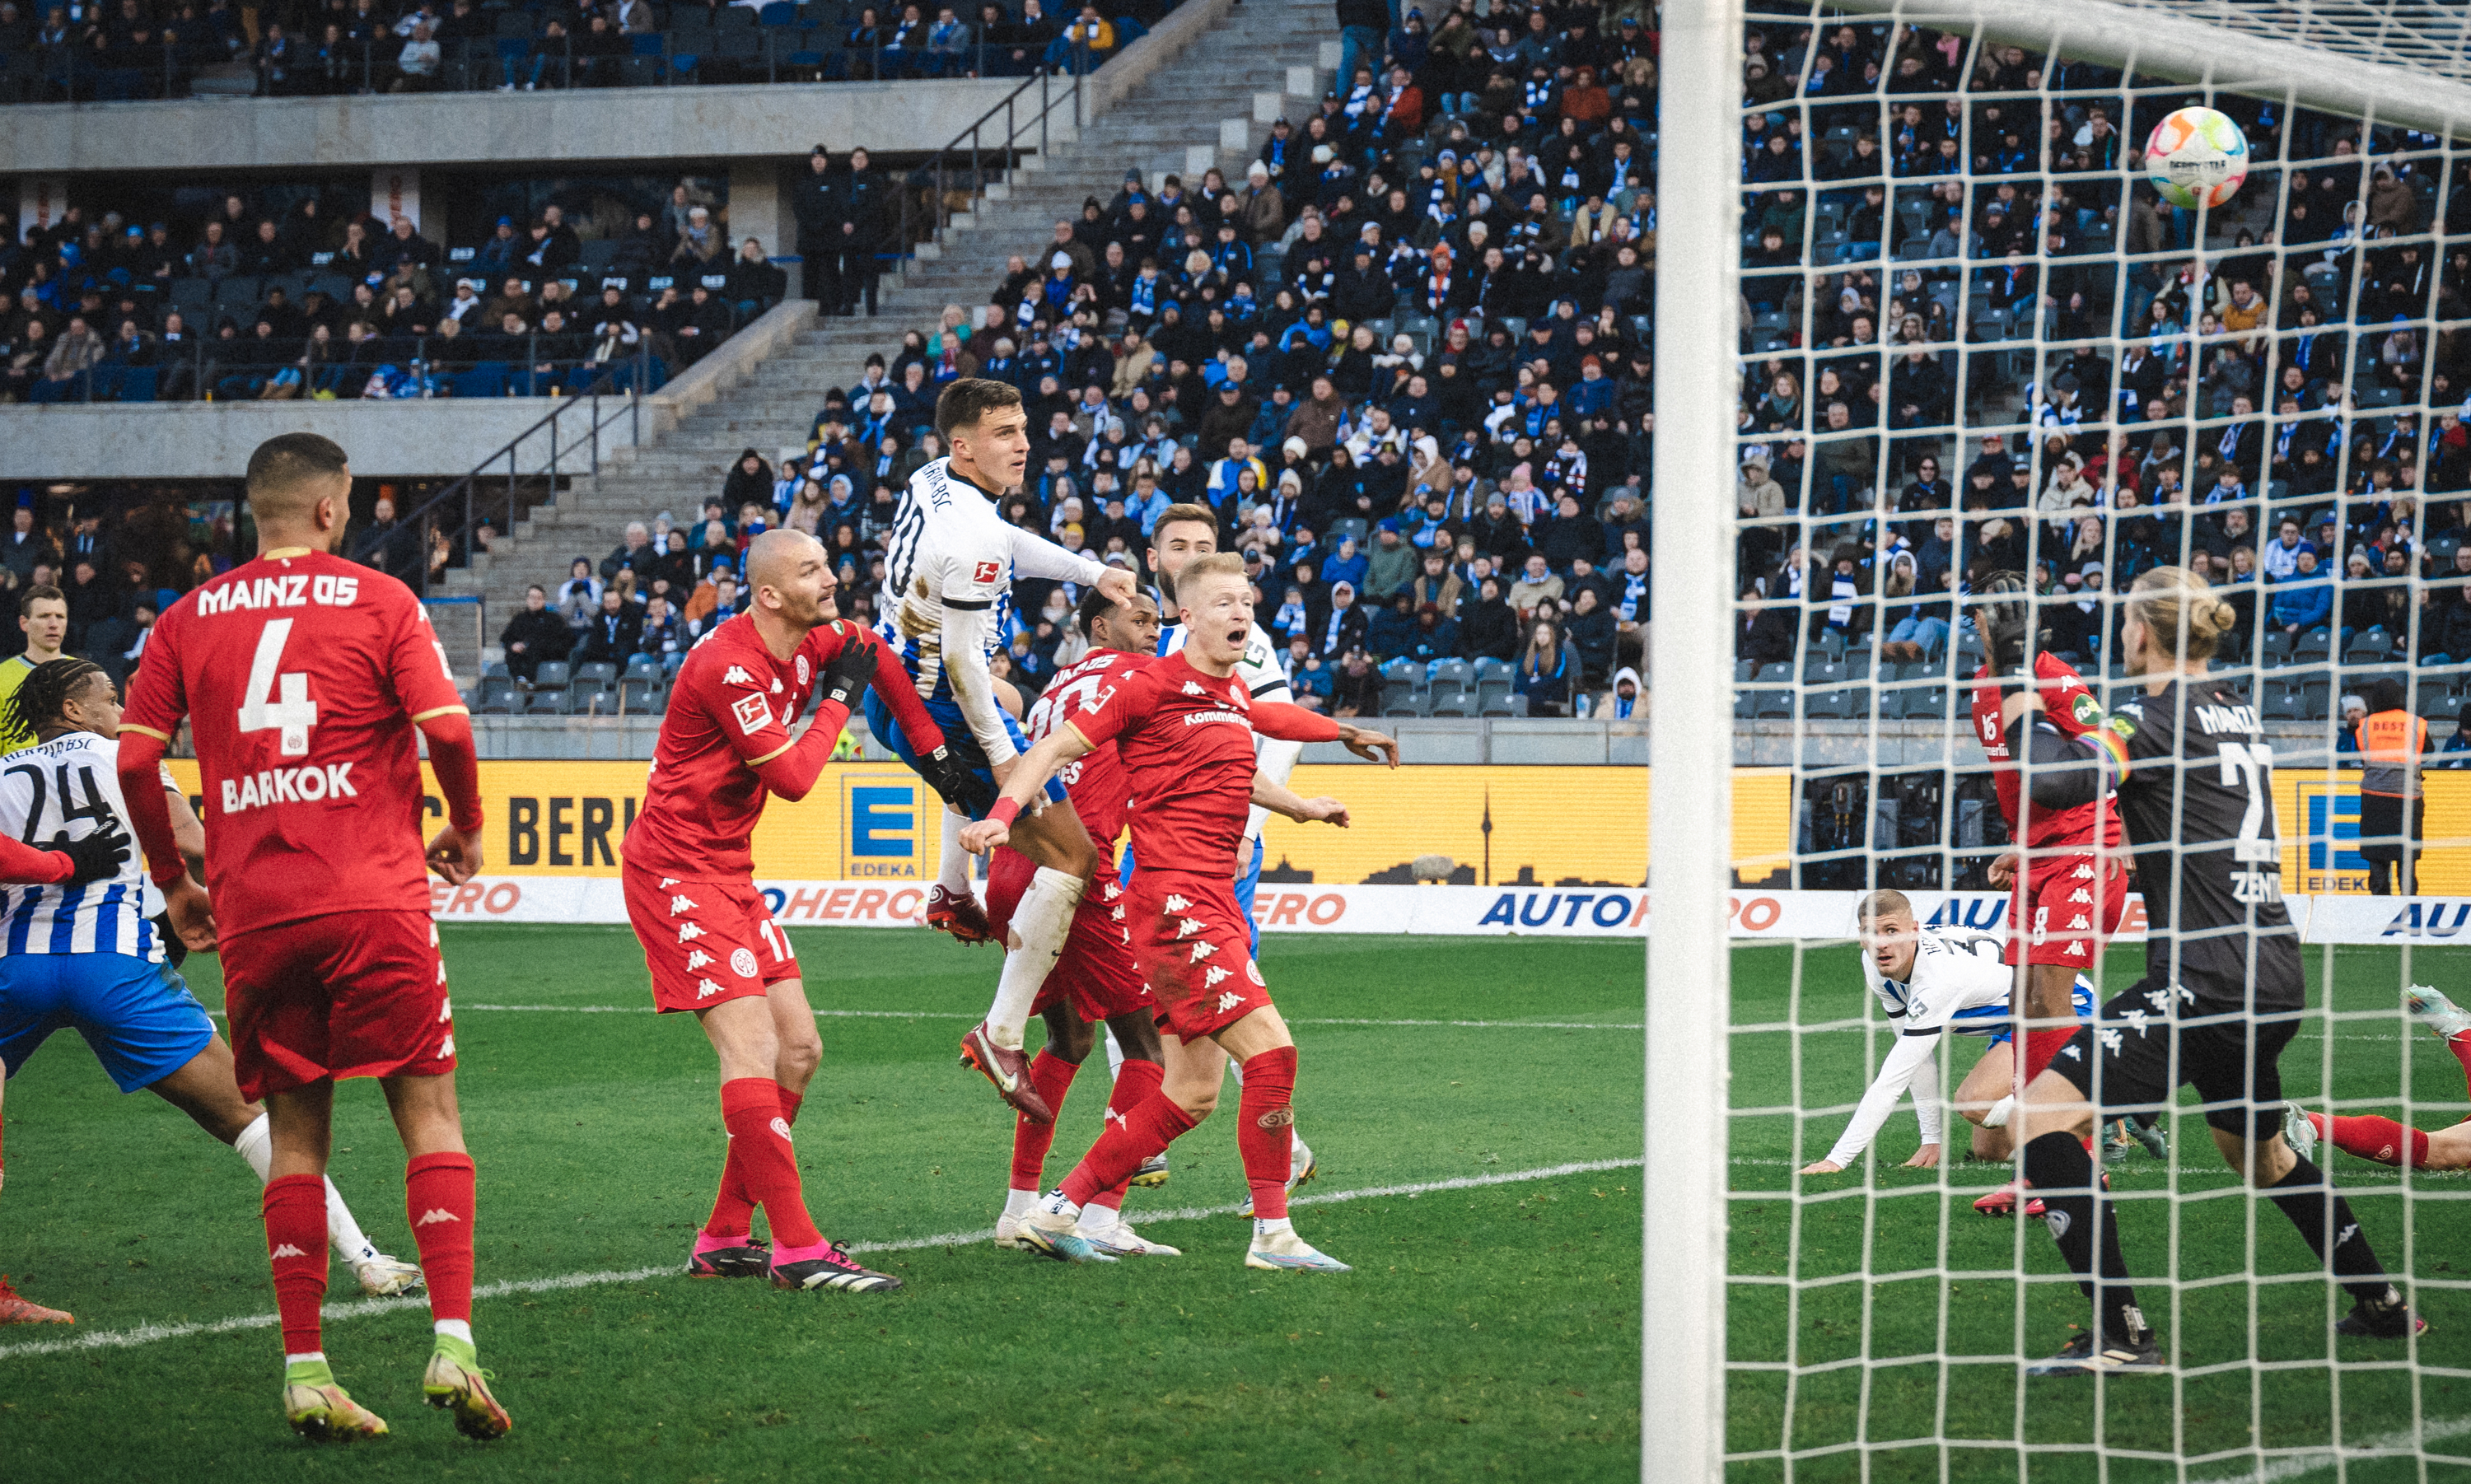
point(71, 785)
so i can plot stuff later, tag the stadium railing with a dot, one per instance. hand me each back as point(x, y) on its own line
point(406, 367)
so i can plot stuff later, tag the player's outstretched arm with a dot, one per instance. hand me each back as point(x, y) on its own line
point(1029, 774)
point(974, 688)
point(1294, 723)
point(1279, 798)
point(455, 852)
point(149, 811)
point(953, 781)
point(24, 865)
point(1904, 1062)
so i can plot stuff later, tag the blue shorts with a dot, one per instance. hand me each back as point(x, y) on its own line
point(1246, 885)
point(139, 1017)
point(2081, 997)
point(958, 739)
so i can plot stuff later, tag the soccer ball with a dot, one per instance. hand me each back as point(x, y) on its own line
point(2197, 157)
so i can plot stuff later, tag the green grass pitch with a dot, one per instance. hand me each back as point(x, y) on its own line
point(1490, 1330)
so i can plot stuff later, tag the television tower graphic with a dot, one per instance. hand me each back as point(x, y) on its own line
point(1488, 836)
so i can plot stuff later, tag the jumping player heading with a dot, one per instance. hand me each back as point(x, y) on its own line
point(708, 937)
point(1185, 728)
point(303, 677)
point(953, 560)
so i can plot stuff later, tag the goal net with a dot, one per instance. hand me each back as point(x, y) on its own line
point(1966, 336)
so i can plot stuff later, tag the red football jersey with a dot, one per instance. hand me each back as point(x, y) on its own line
point(1187, 743)
point(1101, 791)
point(301, 676)
point(730, 709)
point(2071, 708)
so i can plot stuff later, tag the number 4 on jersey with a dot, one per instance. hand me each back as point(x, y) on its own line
point(295, 713)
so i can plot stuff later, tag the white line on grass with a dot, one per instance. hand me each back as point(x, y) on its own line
point(945, 1015)
point(2390, 1445)
point(148, 1334)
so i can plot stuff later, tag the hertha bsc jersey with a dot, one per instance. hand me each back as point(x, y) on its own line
point(1956, 984)
point(950, 553)
point(71, 786)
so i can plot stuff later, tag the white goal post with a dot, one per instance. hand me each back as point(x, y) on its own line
point(2397, 65)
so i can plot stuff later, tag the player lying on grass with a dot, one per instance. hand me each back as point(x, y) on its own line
point(86, 955)
point(1185, 729)
point(949, 569)
point(307, 683)
point(1933, 982)
point(1097, 981)
point(2066, 877)
point(2383, 1140)
point(708, 938)
point(2222, 992)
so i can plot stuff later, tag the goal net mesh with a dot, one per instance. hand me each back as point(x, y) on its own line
point(1973, 339)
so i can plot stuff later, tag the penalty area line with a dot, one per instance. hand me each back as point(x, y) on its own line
point(2402, 1444)
point(362, 1309)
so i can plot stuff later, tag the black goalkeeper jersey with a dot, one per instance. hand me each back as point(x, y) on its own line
point(2198, 803)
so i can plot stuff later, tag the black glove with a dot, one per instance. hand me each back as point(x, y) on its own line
point(99, 856)
point(956, 783)
point(849, 672)
point(2005, 615)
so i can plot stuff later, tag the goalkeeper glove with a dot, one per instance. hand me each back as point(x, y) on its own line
point(99, 856)
point(956, 783)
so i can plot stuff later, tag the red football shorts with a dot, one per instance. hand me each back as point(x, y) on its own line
point(1096, 974)
point(2064, 907)
point(1194, 946)
point(707, 942)
point(357, 995)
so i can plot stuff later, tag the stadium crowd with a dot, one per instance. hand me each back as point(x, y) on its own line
point(53, 51)
point(256, 305)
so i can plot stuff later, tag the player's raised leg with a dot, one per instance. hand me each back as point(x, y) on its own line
point(1142, 1074)
point(2383, 1140)
point(1054, 840)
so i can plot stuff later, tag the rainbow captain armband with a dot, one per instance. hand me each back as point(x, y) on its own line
point(1005, 812)
point(2112, 742)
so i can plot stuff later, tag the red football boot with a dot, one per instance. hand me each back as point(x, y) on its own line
point(1008, 1070)
point(2002, 1202)
point(958, 914)
point(14, 1309)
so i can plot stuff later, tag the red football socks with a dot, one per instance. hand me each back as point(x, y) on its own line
point(2371, 1138)
point(1135, 1081)
point(733, 1211)
point(1264, 1131)
point(1153, 1123)
point(1052, 1076)
point(2040, 1045)
point(767, 1161)
point(437, 1194)
point(295, 1244)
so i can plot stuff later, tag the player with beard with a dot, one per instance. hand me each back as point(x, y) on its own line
point(2222, 992)
point(708, 938)
point(1185, 727)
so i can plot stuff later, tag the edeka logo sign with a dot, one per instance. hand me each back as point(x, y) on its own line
point(2332, 811)
point(882, 815)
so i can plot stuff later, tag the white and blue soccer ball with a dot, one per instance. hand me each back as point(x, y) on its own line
point(2197, 157)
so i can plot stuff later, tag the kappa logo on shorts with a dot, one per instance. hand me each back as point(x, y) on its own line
point(1202, 951)
point(697, 958)
point(1230, 1000)
point(2076, 950)
point(435, 1215)
point(705, 989)
point(736, 674)
point(1253, 971)
point(668, 882)
point(2136, 1021)
point(1188, 928)
point(1211, 979)
point(446, 1047)
point(1117, 914)
point(741, 962)
point(445, 1011)
point(688, 933)
point(2159, 998)
point(1113, 892)
point(2111, 1039)
point(1175, 903)
point(2085, 873)
point(2079, 921)
point(679, 904)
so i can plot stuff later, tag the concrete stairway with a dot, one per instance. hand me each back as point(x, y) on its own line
point(1210, 104)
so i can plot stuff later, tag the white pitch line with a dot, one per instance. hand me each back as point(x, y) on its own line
point(2391, 1445)
point(148, 1334)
